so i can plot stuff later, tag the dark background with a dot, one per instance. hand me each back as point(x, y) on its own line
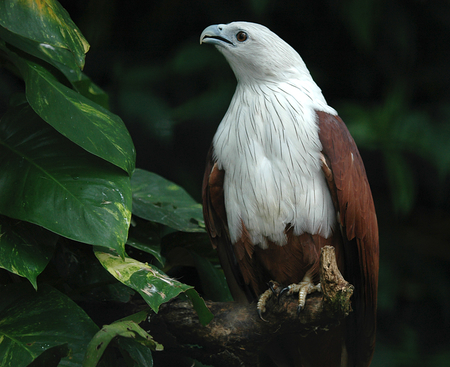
point(384, 65)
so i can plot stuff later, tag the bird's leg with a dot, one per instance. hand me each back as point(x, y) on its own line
point(261, 305)
point(305, 287)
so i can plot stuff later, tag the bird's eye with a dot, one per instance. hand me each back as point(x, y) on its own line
point(241, 36)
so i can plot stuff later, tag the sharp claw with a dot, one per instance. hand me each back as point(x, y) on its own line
point(299, 309)
point(283, 291)
point(260, 316)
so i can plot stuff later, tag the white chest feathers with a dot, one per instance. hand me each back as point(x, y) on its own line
point(268, 144)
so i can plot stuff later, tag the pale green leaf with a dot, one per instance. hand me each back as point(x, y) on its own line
point(151, 283)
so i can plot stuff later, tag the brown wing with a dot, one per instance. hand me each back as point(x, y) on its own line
point(350, 187)
point(216, 224)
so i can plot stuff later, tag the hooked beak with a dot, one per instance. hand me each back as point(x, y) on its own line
point(213, 34)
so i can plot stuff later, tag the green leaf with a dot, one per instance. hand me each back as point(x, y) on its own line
point(45, 22)
point(60, 58)
point(63, 60)
point(87, 124)
point(146, 236)
point(51, 357)
point(90, 90)
point(33, 322)
point(151, 283)
point(137, 317)
point(161, 201)
point(127, 329)
point(25, 249)
point(146, 246)
point(137, 354)
point(49, 181)
point(86, 277)
point(214, 283)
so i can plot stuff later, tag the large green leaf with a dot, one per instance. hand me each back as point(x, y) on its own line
point(46, 23)
point(63, 60)
point(86, 123)
point(33, 322)
point(151, 283)
point(25, 249)
point(47, 180)
point(60, 58)
point(159, 200)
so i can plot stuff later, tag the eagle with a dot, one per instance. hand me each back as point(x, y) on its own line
point(284, 178)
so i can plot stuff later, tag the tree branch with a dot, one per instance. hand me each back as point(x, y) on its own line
point(237, 335)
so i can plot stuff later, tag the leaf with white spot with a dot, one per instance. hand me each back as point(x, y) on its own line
point(150, 282)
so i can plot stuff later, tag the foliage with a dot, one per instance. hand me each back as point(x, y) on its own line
point(67, 180)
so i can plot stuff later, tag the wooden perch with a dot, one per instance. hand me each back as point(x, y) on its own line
point(236, 335)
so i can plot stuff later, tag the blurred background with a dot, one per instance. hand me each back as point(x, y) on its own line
point(384, 65)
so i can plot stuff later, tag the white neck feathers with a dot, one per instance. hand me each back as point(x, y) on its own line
point(268, 144)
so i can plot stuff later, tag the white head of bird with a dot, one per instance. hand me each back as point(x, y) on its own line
point(255, 53)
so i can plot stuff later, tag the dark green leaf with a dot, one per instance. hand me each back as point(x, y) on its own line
point(60, 58)
point(85, 276)
point(146, 236)
point(127, 329)
point(147, 247)
point(25, 249)
point(204, 314)
point(63, 60)
point(159, 200)
point(33, 322)
point(47, 180)
point(51, 357)
point(92, 127)
point(45, 22)
point(138, 354)
point(214, 283)
point(87, 88)
point(86, 123)
point(137, 317)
